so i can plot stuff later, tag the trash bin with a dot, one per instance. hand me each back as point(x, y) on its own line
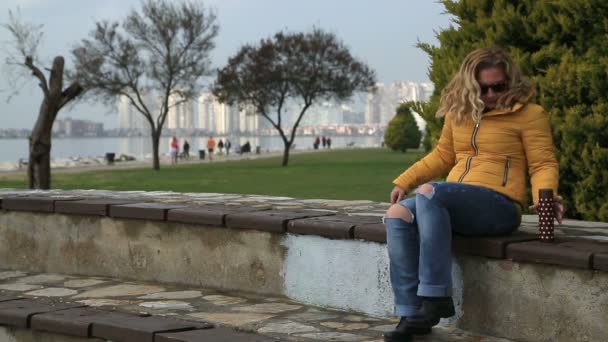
point(258, 149)
point(201, 154)
point(110, 158)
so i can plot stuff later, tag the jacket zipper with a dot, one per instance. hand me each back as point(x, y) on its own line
point(505, 177)
point(470, 158)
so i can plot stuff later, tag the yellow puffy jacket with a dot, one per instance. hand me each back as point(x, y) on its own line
point(493, 153)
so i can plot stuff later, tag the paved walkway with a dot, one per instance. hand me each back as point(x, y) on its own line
point(273, 317)
point(95, 164)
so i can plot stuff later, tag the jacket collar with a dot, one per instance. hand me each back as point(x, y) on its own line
point(517, 106)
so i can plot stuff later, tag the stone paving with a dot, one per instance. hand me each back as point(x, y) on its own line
point(274, 317)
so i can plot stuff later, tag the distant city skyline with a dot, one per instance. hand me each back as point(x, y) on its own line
point(206, 113)
point(382, 33)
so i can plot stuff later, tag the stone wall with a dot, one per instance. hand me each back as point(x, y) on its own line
point(310, 254)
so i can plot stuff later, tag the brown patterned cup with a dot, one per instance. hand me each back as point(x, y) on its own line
point(546, 215)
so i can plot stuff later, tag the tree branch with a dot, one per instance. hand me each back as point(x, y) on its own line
point(29, 62)
point(263, 113)
point(70, 93)
point(295, 125)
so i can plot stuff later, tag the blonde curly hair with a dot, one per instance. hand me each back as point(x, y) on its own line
point(461, 97)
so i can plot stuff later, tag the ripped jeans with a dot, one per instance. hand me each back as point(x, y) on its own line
point(420, 251)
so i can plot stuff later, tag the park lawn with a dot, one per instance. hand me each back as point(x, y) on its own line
point(349, 174)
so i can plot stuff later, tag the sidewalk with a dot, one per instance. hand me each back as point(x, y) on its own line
point(271, 317)
point(165, 161)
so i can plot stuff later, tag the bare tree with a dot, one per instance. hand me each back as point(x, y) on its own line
point(302, 67)
point(22, 58)
point(157, 56)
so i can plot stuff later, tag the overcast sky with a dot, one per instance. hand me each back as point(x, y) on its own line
point(382, 33)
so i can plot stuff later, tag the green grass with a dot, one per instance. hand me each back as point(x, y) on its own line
point(351, 174)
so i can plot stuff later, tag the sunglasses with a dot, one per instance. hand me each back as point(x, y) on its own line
point(496, 88)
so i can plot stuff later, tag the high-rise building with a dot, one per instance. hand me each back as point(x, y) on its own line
point(180, 114)
point(173, 113)
point(129, 118)
point(206, 112)
point(372, 112)
point(324, 113)
point(223, 119)
point(382, 105)
point(249, 120)
point(77, 128)
point(221, 114)
point(353, 115)
point(213, 116)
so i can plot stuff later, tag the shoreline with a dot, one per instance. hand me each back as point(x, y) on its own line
point(93, 150)
point(165, 161)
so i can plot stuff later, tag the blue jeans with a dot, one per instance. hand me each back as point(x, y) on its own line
point(420, 252)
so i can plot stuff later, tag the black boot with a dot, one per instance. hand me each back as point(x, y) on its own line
point(403, 333)
point(431, 311)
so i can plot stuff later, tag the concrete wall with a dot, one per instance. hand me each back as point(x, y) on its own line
point(9, 334)
point(142, 250)
point(533, 302)
point(323, 272)
point(528, 302)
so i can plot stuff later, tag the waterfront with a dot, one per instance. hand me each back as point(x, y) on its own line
point(12, 150)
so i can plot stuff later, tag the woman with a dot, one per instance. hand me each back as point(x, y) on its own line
point(173, 149)
point(492, 135)
point(210, 147)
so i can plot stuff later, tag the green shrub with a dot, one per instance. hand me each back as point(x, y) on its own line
point(402, 131)
point(562, 46)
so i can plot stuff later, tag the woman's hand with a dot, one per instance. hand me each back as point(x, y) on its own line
point(397, 195)
point(558, 208)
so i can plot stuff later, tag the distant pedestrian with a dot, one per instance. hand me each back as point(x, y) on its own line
point(173, 150)
point(227, 145)
point(186, 150)
point(328, 142)
point(246, 148)
point(324, 142)
point(220, 146)
point(210, 147)
point(316, 143)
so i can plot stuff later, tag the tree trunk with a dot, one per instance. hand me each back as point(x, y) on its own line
point(39, 166)
point(286, 153)
point(155, 144)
